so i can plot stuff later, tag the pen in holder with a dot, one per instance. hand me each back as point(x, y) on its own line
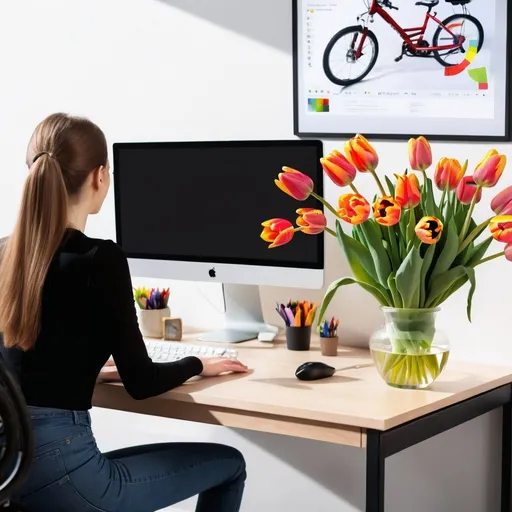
point(329, 337)
point(298, 317)
point(152, 308)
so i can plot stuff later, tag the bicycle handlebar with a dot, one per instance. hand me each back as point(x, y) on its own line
point(388, 4)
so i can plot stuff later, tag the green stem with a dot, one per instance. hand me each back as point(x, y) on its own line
point(330, 231)
point(489, 258)
point(474, 234)
point(354, 189)
point(424, 176)
point(467, 222)
point(326, 204)
point(411, 226)
point(443, 197)
point(379, 184)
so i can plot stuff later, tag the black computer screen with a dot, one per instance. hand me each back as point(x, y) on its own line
point(205, 202)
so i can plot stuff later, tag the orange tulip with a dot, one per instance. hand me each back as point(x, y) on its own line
point(295, 184)
point(501, 228)
point(338, 168)
point(277, 232)
point(361, 154)
point(448, 173)
point(508, 252)
point(420, 154)
point(429, 230)
point(353, 208)
point(490, 169)
point(311, 221)
point(467, 189)
point(502, 203)
point(407, 193)
point(387, 211)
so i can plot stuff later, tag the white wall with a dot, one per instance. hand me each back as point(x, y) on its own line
point(222, 69)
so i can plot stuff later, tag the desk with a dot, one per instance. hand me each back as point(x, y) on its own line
point(355, 407)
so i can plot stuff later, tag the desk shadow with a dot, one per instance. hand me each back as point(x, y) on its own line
point(266, 21)
point(290, 382)
point(453, 386)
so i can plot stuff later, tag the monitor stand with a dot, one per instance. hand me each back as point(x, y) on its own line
point(243, 318)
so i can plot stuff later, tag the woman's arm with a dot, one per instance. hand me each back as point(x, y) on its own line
point(141, 377)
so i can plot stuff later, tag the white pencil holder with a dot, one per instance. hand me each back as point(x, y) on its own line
point(150, 321)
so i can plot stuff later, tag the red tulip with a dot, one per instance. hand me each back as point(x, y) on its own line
point(502, 203)
point(490, 169)
point(277, 232)
point(467, 189)
point(295, 184)
point(338, 168)
point(448, 173)
point(353, 208)
point(387, 211)
point(501, 228)
point(407, 192)
point(361, 154)
point(311, 221)
point(508, 252)
point(420, 154)
point(429, 230)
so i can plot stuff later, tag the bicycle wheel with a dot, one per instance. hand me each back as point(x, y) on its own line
point(460, 25)
point(340, 63)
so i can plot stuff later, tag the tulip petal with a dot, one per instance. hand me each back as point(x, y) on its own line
point(508, 252)
point(502, 203)
point(283, 238)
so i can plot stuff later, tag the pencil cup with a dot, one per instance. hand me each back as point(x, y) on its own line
point(150, 321)
point(298, 338)
point(329, 346)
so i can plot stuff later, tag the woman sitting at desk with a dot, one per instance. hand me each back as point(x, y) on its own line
point(66, 306)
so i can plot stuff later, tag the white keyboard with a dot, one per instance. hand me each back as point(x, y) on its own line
point(168, 351)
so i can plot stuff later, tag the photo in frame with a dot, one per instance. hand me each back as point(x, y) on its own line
point(392, 69)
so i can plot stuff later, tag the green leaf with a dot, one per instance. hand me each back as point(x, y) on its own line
point(425, 267)
point(470, 272)
point(429, 203)
point(397, 300)
point(449, 252)
point(411, 225)
point(378, 252)
point(442, 283)
point(391, 186)
point(476, 253)
point(358, 257)
point(408, 279)
point(345, 281)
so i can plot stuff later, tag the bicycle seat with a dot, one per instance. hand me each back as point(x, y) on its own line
point(433, 3)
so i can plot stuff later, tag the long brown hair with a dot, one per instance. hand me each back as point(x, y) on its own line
point(61, 154)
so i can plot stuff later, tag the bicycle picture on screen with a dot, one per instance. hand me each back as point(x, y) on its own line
point(352, 52)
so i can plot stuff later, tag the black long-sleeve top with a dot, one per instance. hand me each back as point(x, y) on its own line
point(88, 314)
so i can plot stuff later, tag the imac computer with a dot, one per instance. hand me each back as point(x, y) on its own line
point(193, 211)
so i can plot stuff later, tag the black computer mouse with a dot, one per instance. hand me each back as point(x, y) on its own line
point(314, 371)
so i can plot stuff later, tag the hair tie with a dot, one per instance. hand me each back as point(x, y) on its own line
point(41, 154)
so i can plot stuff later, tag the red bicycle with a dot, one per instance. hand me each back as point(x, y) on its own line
point(351, 54)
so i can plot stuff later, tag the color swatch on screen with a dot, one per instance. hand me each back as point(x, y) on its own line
point(318, 104)
point(470, 55)
point(479, 75)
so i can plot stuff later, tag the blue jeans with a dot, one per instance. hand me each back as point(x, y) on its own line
point(70, 474)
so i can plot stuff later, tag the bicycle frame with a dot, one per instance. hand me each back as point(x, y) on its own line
point(411, 36)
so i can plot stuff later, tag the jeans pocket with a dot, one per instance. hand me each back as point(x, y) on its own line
point(60, 496)
point(49, 488)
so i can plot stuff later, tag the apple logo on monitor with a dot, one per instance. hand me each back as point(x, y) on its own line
point(212, 272)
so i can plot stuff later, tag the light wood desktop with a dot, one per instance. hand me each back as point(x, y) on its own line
point(342, 409)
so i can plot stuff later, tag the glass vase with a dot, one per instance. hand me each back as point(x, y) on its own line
point(409, 351)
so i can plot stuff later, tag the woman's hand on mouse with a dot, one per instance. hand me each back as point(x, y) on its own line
point(213, 366)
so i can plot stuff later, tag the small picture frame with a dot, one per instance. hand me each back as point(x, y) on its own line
point(172, 329)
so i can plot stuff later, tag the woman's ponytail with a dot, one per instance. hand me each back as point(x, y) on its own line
point(77, 146)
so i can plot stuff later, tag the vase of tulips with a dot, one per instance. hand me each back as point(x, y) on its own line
point(412, 248)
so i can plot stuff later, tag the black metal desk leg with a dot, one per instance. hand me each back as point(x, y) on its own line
point(375, 465)
point(506, 459)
